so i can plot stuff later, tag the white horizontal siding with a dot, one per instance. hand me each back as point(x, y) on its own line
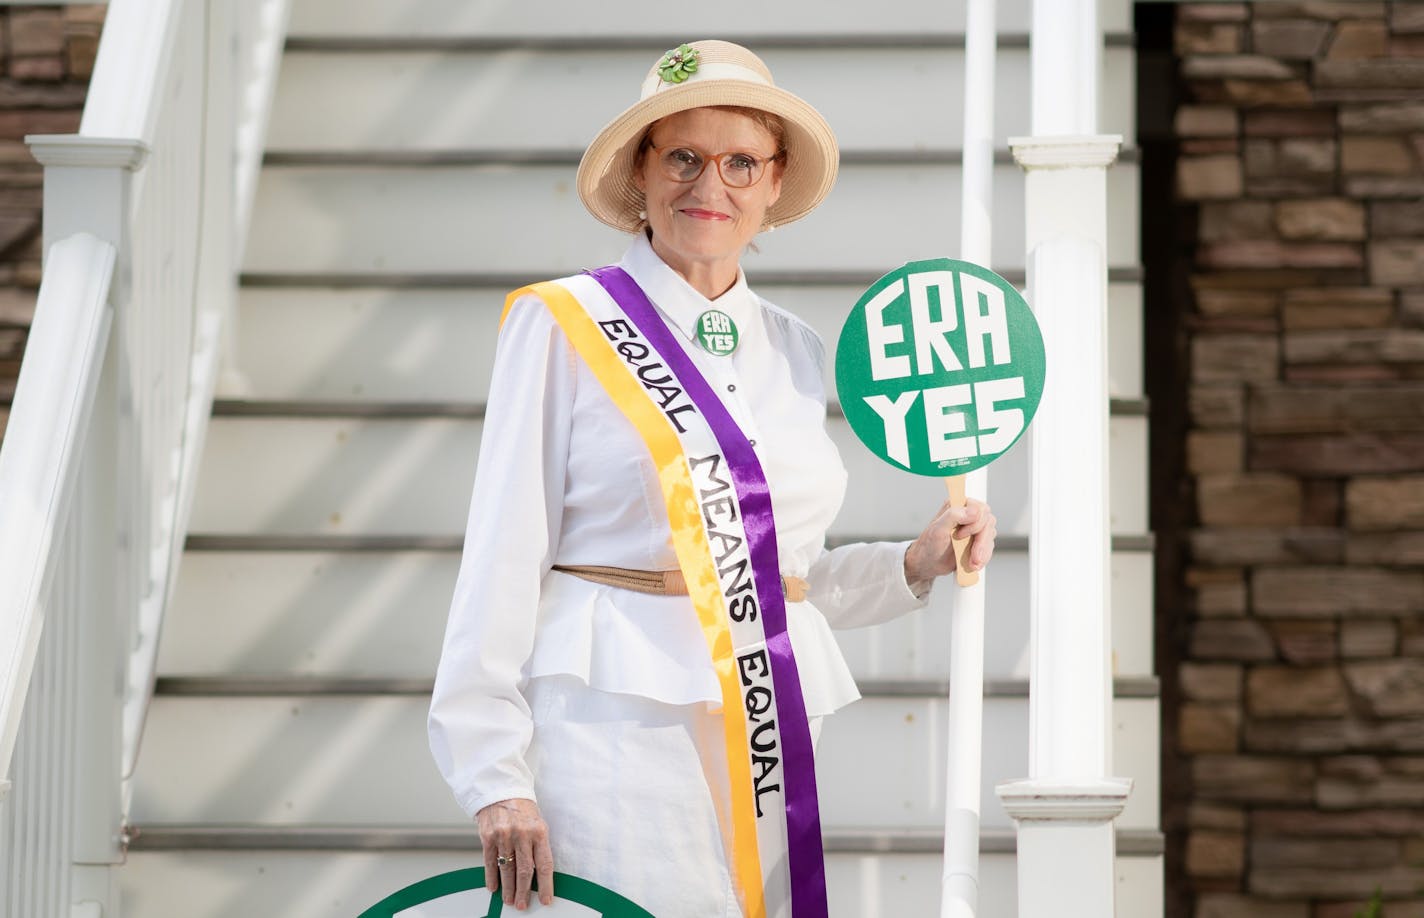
point(521, 99)
point(382, 614)
point(384, 344)
point(575, 19)
point(333, 761)
point(527, 220)
point(307, 884)
point(352, 476)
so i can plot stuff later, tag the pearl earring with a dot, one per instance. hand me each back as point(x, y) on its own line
point(642, 215)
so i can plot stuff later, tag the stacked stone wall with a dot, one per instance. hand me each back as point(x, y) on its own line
point(46, 58)
point(1300, 731)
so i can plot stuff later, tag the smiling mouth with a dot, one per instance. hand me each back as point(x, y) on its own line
point(698, 214)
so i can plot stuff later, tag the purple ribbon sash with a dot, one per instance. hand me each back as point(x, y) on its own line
point(803, 820)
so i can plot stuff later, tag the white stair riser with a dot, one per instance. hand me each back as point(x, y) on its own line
point(528, 220)
point(363, 760)
point(394, 476)
point(659, 22)
point(481, 100)
point(382, 614)
point(438, 345)
point(306, 884)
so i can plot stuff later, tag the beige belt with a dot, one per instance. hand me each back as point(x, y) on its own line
point(662, 583)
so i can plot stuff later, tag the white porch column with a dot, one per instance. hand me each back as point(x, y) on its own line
point(1066, 806)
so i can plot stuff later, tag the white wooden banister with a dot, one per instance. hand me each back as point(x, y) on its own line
point(97, 468)
point(40, 456)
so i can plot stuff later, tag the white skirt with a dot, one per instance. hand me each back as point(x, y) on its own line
point(620, 781)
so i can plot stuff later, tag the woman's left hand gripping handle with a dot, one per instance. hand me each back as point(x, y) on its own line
point(516, 845)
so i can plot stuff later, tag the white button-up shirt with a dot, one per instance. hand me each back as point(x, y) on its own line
point(563, 478)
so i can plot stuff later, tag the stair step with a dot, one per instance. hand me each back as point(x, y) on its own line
point(412, 476)
point(366, 409)
point(263, 686)
point(323, 884)
point(373, 607)
point(329, 760)
point(376, 156)
point(426, 344)
point(343, 94)
point(661, 24)
point(1130, 842)
point(442, 220)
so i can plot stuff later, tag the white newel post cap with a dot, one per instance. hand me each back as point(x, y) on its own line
point(94, 152)
point(1084, 802)
point(1068, 151)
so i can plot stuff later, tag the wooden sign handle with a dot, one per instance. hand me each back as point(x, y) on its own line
point(955, 485)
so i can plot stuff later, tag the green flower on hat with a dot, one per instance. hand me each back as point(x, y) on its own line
point(678, 64)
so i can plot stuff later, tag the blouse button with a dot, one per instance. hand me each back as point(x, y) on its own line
point(751, 442)
point(732, 387)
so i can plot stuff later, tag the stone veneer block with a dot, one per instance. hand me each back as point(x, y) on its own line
point(1206, 121)
point(1221, 358)
point(1292, 545)
point(1234, 905)
point(1259, 779)
point(1358, 41)
point(1210, 681)
point(1383, 117)
point(1394, 549)
point(1321, 591)
point(1395, 74)
point(1292, 691)
point(1289, 38)
point(1216, 406)
point(1205, 728)
point(1406, 18)
point(1321, 219)
point(1211, 12)
point(1388, 688)
point(1206, 38)
point(1211, 451)
point(1377, 155)
point(1239, 639)
point(1248, 500)
point(1395, 502)
point(1364, 346)
point(1236, 67)
point(1397, 262)
point(1209, 177)
point(1216, 854)
point(1396, 218)
point(1368, 639)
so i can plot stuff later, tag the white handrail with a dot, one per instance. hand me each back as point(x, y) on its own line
point(959, 886)
point(39, 456)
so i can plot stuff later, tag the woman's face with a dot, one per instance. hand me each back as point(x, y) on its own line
point(706, 220)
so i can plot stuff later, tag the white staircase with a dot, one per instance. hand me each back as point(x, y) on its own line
point(420, 163)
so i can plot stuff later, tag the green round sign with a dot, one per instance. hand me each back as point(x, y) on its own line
point(450, 894)
point(940, 367)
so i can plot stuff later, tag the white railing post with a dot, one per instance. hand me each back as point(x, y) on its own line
point(959, 893)
point(1065, 808)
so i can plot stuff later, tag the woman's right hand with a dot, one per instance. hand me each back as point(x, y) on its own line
point(514, 831)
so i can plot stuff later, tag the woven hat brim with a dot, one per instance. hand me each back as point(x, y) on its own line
point(605, 174)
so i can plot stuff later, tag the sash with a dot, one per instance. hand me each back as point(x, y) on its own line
point(719, 510)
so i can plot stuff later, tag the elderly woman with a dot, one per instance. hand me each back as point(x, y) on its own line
point(639, 653)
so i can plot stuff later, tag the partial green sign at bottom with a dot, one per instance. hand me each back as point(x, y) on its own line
point(449, 895)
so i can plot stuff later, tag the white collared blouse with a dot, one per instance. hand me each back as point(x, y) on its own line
point(563, 478)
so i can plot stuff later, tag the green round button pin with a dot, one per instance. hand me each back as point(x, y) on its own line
point(717, 333)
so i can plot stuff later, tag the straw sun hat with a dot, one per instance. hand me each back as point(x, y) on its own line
point(716, 73)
